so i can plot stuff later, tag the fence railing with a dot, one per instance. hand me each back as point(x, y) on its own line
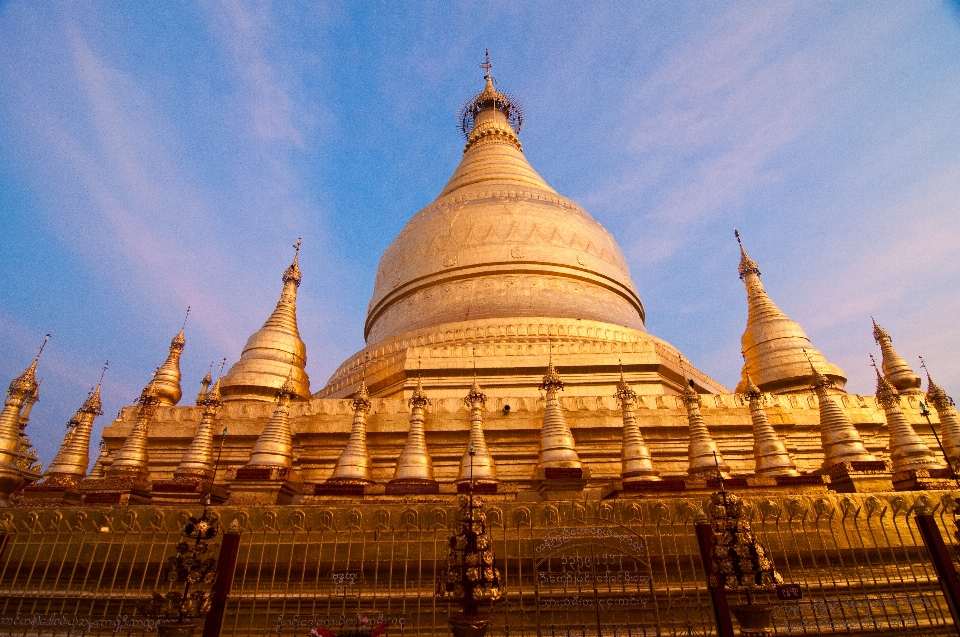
point(619, 567)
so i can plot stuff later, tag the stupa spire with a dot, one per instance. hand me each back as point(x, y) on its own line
point(490, 122)
point(773, 345)
point(198, 461)
point(132, 461)
point(166, 381)
point(635, 462)
point(908, 451)
point(947, 414)
point(894, 367)
point(840, 440)
point(101, 463)
point(558, 450)
point(769, 453)
point(484, 467)
point(70, 464)
point(414, 462)
point(274, 447)
point(704, 457)
point(354, 465)
point(23, 388)
point(274, 354)
point(205, 386)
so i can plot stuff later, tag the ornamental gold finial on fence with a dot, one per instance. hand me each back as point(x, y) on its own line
point(471, 579)
point(740, 562)
point(192, 567)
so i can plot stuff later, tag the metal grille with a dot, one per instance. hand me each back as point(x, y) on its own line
point(73, 572)
point(623, 567)
point(861, 563)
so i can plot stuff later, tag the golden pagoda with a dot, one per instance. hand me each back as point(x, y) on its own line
point(508, 396)
point(274, 354)
point(775, 349)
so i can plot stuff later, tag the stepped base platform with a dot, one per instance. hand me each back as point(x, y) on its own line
point(265, 486)
point(115, 490)
point(860, 477)
point(187, 491)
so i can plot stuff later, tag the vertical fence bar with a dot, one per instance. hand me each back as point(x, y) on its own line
point(226, 567)
point(942, 563)
point(717, 594)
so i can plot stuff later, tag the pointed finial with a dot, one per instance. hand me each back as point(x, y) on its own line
point(292, 273)
point(205, 386)
point(179, 341)
point(935, 393)
point(624, 394)
point(26, 382)
point(419, 398)
point(42, 345)
point(879, 333)
point(886, 393)
point(287, 389)
point(361, 401)
point(751, 391)
point(551, 379)
point(819, 380)
point(873, 363)
point(93, 404)
point(486, 65)
point(102, 373)
point(746, 263)
point(213, 398)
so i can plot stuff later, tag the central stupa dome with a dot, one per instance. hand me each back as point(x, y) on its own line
point(498, 242)
point(499, 275)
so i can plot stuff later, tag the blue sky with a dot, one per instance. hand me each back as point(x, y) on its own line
point(160, 155)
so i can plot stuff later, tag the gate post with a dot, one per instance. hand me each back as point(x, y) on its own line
point(942, 563)
point(226, 566)
point(717, 595)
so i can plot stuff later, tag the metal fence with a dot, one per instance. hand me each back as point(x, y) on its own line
point(620, 567)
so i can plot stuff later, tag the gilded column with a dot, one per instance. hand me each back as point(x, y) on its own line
point(840, 440)
point(894, 367)
point(70, 464)
point(414, 463)
point(907, 449)
point(353, 465)
point(484, 468)
point(769, 453)
point(21, 388)
point(705, 459)
point(636, 465)
point(198, 461)
point(558, 449)
point(949, 422)
point(274, 447)
point(133, 460)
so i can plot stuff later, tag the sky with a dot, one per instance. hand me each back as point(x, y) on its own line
point(155, 156)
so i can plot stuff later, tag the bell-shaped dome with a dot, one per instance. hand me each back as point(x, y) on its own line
point(499, 243)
